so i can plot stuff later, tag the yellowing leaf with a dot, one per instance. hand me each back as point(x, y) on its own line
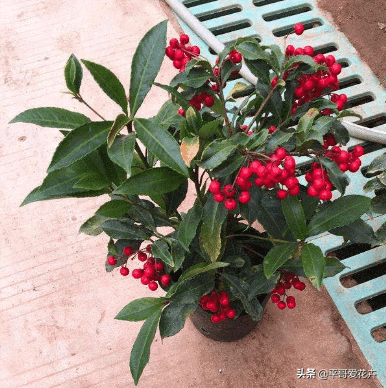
point(189, 148)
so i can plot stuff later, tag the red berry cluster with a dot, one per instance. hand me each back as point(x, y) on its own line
point(198, 100)
point(152, 271)
point(180, 53)
point(286, 281)
point(278, 170)
point(218, 304)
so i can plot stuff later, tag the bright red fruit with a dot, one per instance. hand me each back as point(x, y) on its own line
point(112, 260)
point(299, 28)
point(124, 271)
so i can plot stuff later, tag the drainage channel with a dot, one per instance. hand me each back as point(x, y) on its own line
point(359, 292)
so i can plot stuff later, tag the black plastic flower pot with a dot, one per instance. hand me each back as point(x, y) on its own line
point(225, 331)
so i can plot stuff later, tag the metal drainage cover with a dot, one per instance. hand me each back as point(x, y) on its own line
point(359, 292)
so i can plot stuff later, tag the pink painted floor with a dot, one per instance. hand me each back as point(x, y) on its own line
point(57, 304)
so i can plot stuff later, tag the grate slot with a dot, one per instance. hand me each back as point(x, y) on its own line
point(326, 49)
point(194, 3)
point(286, 12)
point(262, 3)
point(218, 13)
point(372, 122)
point(231, 27)
point(372, 304)
point(348, 250)
point(359, 100)
point(349, 81)
point(365, 275)
point(379, 334)
point(288, 29)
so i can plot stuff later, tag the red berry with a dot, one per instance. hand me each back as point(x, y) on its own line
point(215, 88)
point(112, 260)
point(128, 250)
point(158, 266)
point(358, 151)
point(181, 112)
point(124, 271)
point(290, 299)
point(229, 191)
point(275, 298)
point(142, 256)
point(272, 129)
point(145, 280)
point(336, 68)
point(312, 192)
point(294, 191)
point(215, 318)
point(354, 165)
point(291, 304)
point(308, 50)
point(149, 271)
point(299, 285)
point(291, 182)
point(174, 43)
point(219, 197)
point(282, 194)
point(299, 28)
point(215, 186)
point(195, 50)
point(244, 197)
point(184, 39)
point(282, 305)
point(230, 204)
point(165, 280)
point(137, 273)
point(289, 51)
point(280, 289)
point(223, 298)
point(274, 82)
point(169, 52)
point(177, 64)
point(280, 153)
point(231, 313)
point(208, 101)
point(152, 285)
point(325, 195)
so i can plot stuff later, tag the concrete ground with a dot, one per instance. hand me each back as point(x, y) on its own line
point(57, 304)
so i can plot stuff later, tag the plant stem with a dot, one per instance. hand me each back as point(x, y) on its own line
point(261, 107)
point(80, 99)
point(141, 155)
point(197, 186)
point(273, 240)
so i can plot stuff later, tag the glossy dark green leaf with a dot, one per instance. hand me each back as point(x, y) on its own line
point(214, 215)
point(196, 78)
point(250, 210)
point(146, 63)
point(301, 59)
point(340, 212)
point(306, 122)
point(92, 181)
point(358, 231)
point(217, 152)
point(294, 214)
point(121, 151)
point(278, 138)
point(240, 289)
point(162, 144)
point(79, 143)
point(124, 229)
point(378, 204)
point(158, 180)
point(333, 267)
point(51, 117)
point(338, 178)
point(188, 226)
point(173, 318)
point(314, 263)
point(140, 309)
point(114, 208)
point(92, 226)
point(178, 97)
point(260, 68)
point(277, 256)
point(73, 74)
point(168, 115)
point(140, 352)
point(120, 122)
point(377, 165)
point(202, 268)
point(108, 82)
point(160, 250)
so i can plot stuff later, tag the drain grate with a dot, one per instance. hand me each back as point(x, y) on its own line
point(359, 292)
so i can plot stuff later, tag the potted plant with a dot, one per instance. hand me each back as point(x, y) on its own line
point(269, 174)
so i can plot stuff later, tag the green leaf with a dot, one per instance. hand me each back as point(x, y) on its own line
point(73, 74)
point(162, 144)
point(306, 122)
point(358, 231)
point(125, 229)
point(121, 151)
point(213, 218)
point(348, 113)
point(146, 64)
point(323, 124)
point(217, 152)
point(260, 284)
point(378, 204)
point(238, 88)
point(278, 138)
point(114, 208)
point(140, 309)
point(250, 49)
point(92, 181)
point(117, 251)
point(118, 124)
point(140, 352)
point(373, 184)
point(338, 178)
point(196, 78)
point(108, 82)
point(157, 180)
point(277, 256)
point(229, 166)
point(301, 59)
point(160, 250)
point(240, 289)
point(314, 263)
point(174, 199)
point(178, 97)
point(188, 226)
point(260, 68)
point(202, 268)
point(79, 143)
point(333, 267)
point(210, 129)
point(92, 226)
point(294, 214)
point(250, 210)
point(183, 301)
point(270, 215)
point(168, 116)
point(340, 132)
point(377, 165)
point(340, 212)
point(51, 117)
